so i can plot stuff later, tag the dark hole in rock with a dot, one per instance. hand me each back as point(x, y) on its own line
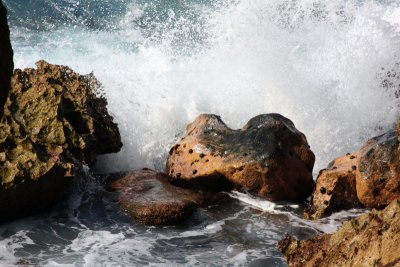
point(322, 190)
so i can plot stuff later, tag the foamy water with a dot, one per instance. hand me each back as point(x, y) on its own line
point(315, 62)
point(162, 63)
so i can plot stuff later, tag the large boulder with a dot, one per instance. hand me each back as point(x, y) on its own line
point(6, 58)
point(268, 157)
point(372, 239)
point(149, 198)
point(54, 121)
point(368, 178)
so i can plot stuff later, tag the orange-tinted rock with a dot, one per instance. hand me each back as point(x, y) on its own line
point(6, 58)
point(335, 189)
point(268, 157)
point(368, 178)
point(378, 172)
point(373, 239)
point(149, 198)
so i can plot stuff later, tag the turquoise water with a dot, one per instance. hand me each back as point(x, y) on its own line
point(162, 63)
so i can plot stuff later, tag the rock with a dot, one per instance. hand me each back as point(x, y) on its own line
point(335, 189)
point(368, 178)
point(373, 239)
point(149, 198)
point(268, 157)
point(6, 58)
point(54, 121)
point(378, 171)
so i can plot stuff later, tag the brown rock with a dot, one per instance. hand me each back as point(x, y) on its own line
point(268, 157)
point(373, 239)
point(6, 58)
point(378, 175)
point(368, 178)
point(149, 198)
point(335, 189)
point(54, 121)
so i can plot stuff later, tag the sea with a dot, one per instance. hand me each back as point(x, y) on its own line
point(331, 66)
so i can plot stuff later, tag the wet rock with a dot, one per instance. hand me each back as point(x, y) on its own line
point(335, 189)
point(54, 121)
point(6, 58)
point(268, 157)
point(373, 239)
point(378, 171)
point(368, 178)
point(149, 198)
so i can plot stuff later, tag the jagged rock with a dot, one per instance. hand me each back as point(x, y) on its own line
point(373, 239)
point(54, 120)
point(368, 178)
point(268, 157)
point(149, 198)
point(335, 189)
point(6, 58)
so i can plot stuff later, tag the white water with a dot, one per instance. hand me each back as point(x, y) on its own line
point(315, 62)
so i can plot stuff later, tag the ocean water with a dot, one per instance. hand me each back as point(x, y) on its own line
point(329, 66)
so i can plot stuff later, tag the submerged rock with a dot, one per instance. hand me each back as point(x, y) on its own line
point(373, 239)
point(369, 177)
point(54, 120)
point(6, 58)
point(268, 157)
point(149, 198)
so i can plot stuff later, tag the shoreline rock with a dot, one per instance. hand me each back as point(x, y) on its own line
point(368, 178)
point(149, 198)
point(6, 58)
point(372, 239)
point(335, 189)
point(268, 157)
point(54, 121)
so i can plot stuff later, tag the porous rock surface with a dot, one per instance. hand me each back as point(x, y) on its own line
point(373, 239)
point(268, 157)
point(54, 121)
point(369, 178)
point(149, 198)
point(6, 57)
point(335, 189)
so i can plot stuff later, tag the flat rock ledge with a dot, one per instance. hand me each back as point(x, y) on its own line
point(268, 157)
point(373, 239)
point(149, 198)
point(54, 122)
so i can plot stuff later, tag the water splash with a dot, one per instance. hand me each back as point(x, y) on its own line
point(163, 63)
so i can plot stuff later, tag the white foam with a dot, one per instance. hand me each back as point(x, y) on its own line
point(259, 203)
point(312, 61)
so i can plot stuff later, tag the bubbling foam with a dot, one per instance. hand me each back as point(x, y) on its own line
point(313, 61)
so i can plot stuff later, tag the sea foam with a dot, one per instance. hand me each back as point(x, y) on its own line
point(316, 62)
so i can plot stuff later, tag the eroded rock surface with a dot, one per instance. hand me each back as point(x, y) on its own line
point(373, 239)
point(369, 178)
point(378, 171)
point(54, 121)
point(335, 189)
point(149, 198)
point(268, 157)
point(6, 58)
